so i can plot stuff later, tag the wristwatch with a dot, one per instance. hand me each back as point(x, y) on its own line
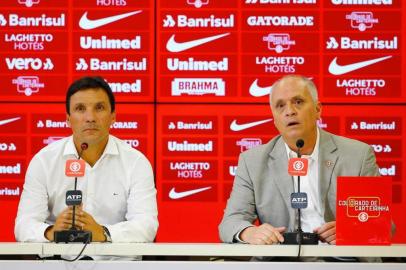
point(106, 234)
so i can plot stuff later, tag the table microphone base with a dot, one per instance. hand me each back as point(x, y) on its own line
point(292, 238)
point(70, 236)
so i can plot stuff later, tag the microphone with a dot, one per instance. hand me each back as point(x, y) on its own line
point(298, 167)
point(74, 168)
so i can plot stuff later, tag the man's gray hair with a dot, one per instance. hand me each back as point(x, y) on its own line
point(309, 85)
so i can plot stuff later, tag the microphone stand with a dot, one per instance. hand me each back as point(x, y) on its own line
point(73, 234)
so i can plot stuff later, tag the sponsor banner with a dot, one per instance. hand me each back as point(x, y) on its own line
point(112, 19)
point(274, 64)
point(11, 168)
point(13, 146)
point(329, 123)
point(39, 142)
point(196, 42)
point(27, 64)
point(189, 192)
point(361, 88)
point(372, 64)
point(385, 148)
point(199, 19)
point(280, 42)
point(190, 169)
point(232, 147)
point(13, 123)
point(391, 168)
point(230, 168)
point(189, 147)
point(189, 124)
point(33, 4)
point(139, 143)
point(196, 64)
point(238, 125)
point(122, 42)
point(367, 42)
point(21, 19)
point(109, 4)
point(197, 4)
point(281, 20)
point(130, 124)
point(293, 4)
point(197, 88)
point(362, 21)
point(128, 87)
point(10, 191)
point(389, 126)
point(33, 41)
point(130, 63)
point(33, 87)
point(227, 187)
point(381, 4)
point(49, 123)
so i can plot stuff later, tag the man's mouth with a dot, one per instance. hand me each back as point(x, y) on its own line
point(291, 124)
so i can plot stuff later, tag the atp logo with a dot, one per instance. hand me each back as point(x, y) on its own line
point(197, 3)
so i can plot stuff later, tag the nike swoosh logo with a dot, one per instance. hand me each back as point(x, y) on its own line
point(258, 91)
point(3, 122)
point(178, 195)
point(88, 24)
point(173, 46)
point(238, 127)
point(337, 69)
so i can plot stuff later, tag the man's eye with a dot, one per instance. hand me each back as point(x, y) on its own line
point(80, 109)
point(100, 107)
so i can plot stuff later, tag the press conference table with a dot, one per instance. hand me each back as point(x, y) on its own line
point(195, 250)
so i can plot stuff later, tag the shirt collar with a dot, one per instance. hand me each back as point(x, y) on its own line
point(290, 153)
point(70, 149)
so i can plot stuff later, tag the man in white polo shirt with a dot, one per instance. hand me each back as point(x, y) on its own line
point(119, 195)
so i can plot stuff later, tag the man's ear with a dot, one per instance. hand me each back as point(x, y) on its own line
point(113, 118)
point(68, 120)
point(318, 109)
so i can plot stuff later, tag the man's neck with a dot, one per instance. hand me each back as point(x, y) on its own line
point(93, 153)
point(309, 144)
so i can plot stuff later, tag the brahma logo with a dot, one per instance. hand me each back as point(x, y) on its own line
point(197, 3)
point(28, 84)
point(28, 3)
point(361, 20)
point(279, 42)
point(198, 86)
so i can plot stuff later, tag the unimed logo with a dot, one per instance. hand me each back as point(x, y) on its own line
point(10, 169)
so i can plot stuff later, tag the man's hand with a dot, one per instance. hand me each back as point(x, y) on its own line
point(63, 222)
point(327, 232)
point(84, 221)
point(265, 234)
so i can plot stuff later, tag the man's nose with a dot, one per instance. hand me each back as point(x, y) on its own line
point(90, 116)
point(290, 109)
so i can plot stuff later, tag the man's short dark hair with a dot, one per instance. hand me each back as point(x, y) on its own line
point(85, 83)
